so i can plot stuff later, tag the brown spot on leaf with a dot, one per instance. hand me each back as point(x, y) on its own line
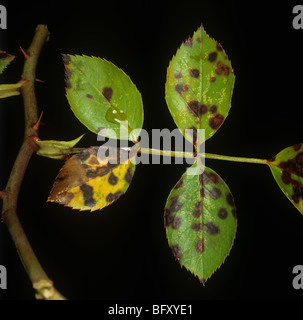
point(178, 75)
point(213, 109)
point(197, 109)
point(212, 57)
point(211, 228)
point(230, 199)
point(113, 197)
point(112, 179)
point(222, 214)
point(129, 175)
point(175, 205)
point(216, 121)
point(176, 222)
point(198, 209)
point(222, 68)
point(88, 192)
point(107, 93)
point(189, 42)
point(200, 246)
point(89, 96)
point(197, 227)
point(181, 88)
point(215, 193)
point(179, 183)
point(177, 251)
point(194, 73)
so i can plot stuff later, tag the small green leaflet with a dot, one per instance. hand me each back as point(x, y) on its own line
point(5, 60)
point(199, 85)
point(287, 169)
point(103, 97)
point(200, 221)
point(57, 149)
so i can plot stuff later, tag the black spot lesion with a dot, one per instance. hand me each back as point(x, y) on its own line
point(88, 192)
point(112, 179)
point(129, 175)
point(211, 228)
point(107, 93)
point(181, 88)
point(177, 251)
point(200, 246)
point(175, 205)
point(66, 58)
point(197, 109)
point(89, 96)
point(212, 57)
point(216, 121)
point(195, 73)
point(111, 197)
point(188, 43)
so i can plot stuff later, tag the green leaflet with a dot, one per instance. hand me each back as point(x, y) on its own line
point(287, 169)
point(200, 221)
point(199, 85)
point(5, 60)
point(57, 149)
point(9, 90)
point(102, 97)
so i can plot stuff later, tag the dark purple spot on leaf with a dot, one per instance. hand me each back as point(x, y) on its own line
point(112, 179)
point(197, 227)
point(175, 205)
point(113, 197)
point(230, 200)
point(178, 75)
point(222, 214)
point(212, 57)
point(198, 209)
point(215, 193)
point(177, 251)
point(196, 108)
point(107, 93)
point(88, 193)
point(189, 42)
point(194, 73)
point(89, 96)
point(176, 223)
point(216, 122)
point(200, 246)
point(213, 109)
point(129, 175)
point(211, 228)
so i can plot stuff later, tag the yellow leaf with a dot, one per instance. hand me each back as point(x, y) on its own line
point(89, 182)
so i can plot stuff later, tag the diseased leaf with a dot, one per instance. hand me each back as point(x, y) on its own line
point(102, 96)
point(287, 169)
point(200, 221)
point(93, 179)
point(5, 60)
point(199, 85)
point(57, 149)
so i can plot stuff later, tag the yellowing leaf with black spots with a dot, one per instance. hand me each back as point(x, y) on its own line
point(93, 179)
point(199, 85)
point(287, 169)
point(200, 221)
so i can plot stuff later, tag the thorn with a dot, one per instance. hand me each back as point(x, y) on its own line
point(38, 80)
point(37, 124)
point(2, 194)
point(24, 52)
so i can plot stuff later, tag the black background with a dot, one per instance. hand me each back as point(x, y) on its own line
point(121, 252)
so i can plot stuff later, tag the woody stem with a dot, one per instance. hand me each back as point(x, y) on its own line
point(37, 275)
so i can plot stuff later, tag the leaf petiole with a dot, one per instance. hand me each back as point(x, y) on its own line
point(190, 155)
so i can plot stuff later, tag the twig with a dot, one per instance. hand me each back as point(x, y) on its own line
point(41, 283)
